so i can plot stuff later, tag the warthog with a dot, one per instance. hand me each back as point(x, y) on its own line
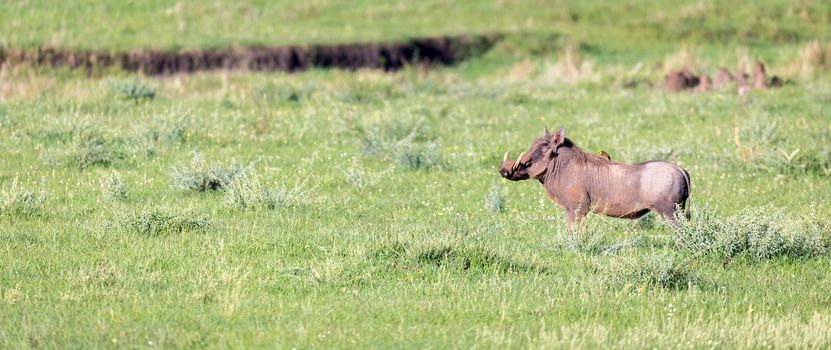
point(581, 182)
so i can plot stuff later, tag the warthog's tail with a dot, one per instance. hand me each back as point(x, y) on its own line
point(686, 206)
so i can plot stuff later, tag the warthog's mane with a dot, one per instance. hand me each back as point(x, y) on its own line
point(569, 151)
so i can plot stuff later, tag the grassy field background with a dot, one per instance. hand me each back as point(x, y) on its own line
point(364, 209)
point(624, 26)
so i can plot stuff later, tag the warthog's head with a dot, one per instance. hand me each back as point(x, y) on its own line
point(533, 164)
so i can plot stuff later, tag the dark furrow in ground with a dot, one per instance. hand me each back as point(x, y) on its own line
point(437, 51)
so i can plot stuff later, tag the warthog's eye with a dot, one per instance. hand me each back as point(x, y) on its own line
point(527, 164)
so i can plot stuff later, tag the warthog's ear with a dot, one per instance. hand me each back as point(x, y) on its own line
point(557, 138)
point(547, 134)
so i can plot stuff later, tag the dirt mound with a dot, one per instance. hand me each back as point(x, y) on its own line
point(685, 79)
point(387, 56)
point(681, 80)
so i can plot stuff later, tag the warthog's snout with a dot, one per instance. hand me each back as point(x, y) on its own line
point(511, 169)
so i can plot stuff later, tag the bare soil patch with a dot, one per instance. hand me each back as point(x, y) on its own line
point(435, 51)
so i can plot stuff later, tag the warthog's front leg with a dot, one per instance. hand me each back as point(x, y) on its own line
point(575, 216)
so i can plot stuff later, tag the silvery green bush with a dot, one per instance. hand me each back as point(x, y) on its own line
point(495, 199)
point(759, 233)
point(113, 186)
point(17, 200)
point(161, 221)
point(249, 193)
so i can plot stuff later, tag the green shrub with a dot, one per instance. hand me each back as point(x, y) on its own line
point(201, 176)
point(18, 201)
point(764, 228)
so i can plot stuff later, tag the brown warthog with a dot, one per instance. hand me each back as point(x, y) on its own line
point(582, 182)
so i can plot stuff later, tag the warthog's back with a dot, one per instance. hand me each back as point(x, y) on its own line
point(631, 190)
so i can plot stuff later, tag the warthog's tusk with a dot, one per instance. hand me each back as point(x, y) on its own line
point(516, 164)
point(505, 157)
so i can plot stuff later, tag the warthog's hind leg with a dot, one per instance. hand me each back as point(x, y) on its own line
point(668, 213)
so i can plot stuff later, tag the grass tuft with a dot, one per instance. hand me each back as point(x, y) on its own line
point(93, 148)
point(284, 94)
point(18, 201)
point(162, 222)
point(133, 90)
point(86, 147)
point(249, 193)
point(465, 258)
point(356, 175)
point(201, 176)
point(415, 156)
point(590, 239)
point(662, 271)
point(401, 141)
point(113, 186)
point(495, 199)
point(453, 256)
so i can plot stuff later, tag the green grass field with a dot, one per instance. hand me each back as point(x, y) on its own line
point(364, 209)
point(624, 26)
